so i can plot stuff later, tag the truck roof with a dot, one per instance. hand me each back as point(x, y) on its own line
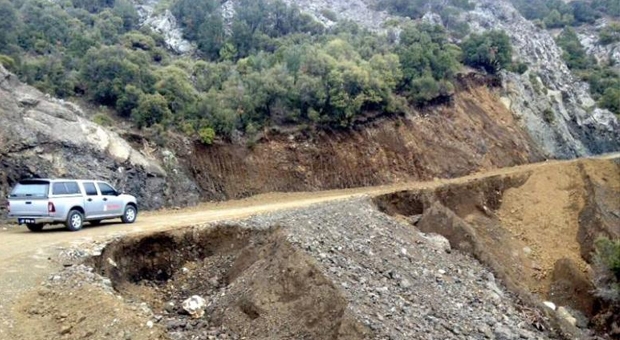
point(58, 180)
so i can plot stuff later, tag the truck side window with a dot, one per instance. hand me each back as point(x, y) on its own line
point(90, 189)
point(106, 190)
point(72, 188)
point(59, 189)
point(65, 188)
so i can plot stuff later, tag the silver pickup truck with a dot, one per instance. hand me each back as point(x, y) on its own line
point(37, 202)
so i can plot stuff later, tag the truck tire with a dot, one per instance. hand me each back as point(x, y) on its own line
point(75, 220)
point(130, 214)
point(34, 227)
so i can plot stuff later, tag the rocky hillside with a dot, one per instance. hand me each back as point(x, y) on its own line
point(317, 104)
point(552, 104)
point(555, 107)
point(46, 137)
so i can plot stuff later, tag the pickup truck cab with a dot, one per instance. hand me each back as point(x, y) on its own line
point(37, 202)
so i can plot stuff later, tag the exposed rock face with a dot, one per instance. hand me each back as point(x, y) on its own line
point(360, 11)
point(44, 137)
point(556, 109)
point(589, 38)
point(164, 23)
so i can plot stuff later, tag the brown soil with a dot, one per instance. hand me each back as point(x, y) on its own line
point(535, 229)
point(543, 214)
point(477, 132)
point(257, 285)
point(471, 206)
point(82, 312)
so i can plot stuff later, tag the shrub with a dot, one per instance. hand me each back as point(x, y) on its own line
point(490, 51)
point(610, 33)
point(102, 119)
point(207, 135)
point(329, 14)
point(607, 269)
point(7, 62)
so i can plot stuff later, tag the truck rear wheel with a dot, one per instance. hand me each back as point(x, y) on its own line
point(34, 227)
point(75, 220)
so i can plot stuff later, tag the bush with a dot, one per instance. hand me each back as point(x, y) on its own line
point(607, 269)
point(329, 14)
point(207, 135)
point(490, 51)
point(7, 62)
point(152, 109)
point(102, 119)
point(610, 33)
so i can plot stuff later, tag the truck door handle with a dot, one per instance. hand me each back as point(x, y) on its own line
point(90, 199)
point(28, 202)
point(105, 199)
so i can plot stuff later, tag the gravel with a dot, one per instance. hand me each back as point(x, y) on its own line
point(397, 280)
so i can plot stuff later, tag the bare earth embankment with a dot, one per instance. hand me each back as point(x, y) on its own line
point(351, 264)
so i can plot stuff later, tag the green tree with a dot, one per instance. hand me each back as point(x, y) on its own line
point(10, 23)
point(128, 100)
point(611, 99)
point(574, 54)
point(106, 71)
point(175, 87)
point(610, 33)
point(152, 109)
point(490, 51)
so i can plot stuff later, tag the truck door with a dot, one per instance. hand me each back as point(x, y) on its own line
point(93, 204)
point(112, 204)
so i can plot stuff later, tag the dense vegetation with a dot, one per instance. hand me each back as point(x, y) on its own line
point(559, 13)
point(270, 65)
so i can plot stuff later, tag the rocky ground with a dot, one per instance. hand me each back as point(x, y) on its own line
point(339, 270)
point(361, 267)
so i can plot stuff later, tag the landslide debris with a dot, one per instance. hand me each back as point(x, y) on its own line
point(535, 230)
point(334, 271)
point(348, 270)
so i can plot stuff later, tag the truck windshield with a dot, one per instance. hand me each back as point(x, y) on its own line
point(31, 189)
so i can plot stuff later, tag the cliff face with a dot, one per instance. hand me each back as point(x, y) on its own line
point(476, 132)
point(553, 106)
point(45, 137)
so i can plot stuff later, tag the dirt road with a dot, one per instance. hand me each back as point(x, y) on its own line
point(18, 242)
point(25, 256)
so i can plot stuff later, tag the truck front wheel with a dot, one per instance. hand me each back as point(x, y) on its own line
point(130, 214)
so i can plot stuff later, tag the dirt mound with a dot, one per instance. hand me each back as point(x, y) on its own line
point(257, 285)
point(536, 230)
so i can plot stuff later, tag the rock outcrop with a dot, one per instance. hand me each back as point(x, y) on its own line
point(603, 53)
point(553, 105)
point(165, 23)
point(45, 137)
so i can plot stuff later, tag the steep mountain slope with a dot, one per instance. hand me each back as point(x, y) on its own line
point(258, 136)
point(575, 125)
point(45, 137)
